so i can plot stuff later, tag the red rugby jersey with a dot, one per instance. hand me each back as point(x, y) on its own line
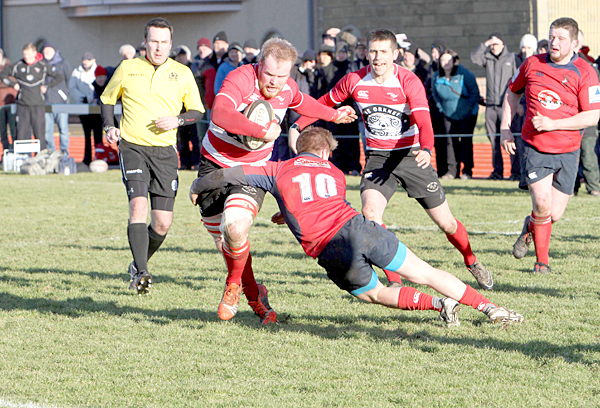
point(310, 192)
point(387, 109)
point(240, 88)
point(555, 91)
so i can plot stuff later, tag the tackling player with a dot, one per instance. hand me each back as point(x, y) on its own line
point(399, 133)
point(563, 97)
point(228, 213)
point(311, 194)
point(152, 89)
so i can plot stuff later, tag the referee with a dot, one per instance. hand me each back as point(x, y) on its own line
point(153, 89)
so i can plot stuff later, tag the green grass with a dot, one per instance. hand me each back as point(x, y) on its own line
point(73, 335)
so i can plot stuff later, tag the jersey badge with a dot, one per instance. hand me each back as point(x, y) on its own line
point(565, 81)
point(392, 95)
point(539, 73)
point(362, 94)
point(594, 94)
point(382, 120)
point(37, 70)
point(549, 99)
point(174, 185)
point(173, 76)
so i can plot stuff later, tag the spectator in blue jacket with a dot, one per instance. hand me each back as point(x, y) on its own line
point(456, 95)
point(235, 53)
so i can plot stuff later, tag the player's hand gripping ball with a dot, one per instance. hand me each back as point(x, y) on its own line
point(260, 112)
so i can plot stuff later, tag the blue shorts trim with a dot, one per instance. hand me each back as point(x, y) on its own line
point(399, 258)
point(370, 285)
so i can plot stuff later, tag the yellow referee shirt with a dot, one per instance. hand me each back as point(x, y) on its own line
point(147, 94)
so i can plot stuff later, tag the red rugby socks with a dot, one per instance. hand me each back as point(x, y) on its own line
point(541, 227)
point(460, 240)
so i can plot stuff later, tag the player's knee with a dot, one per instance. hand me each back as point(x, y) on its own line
point(161, 227)
point(447, 224)
point(371, 213)
point(235, 225)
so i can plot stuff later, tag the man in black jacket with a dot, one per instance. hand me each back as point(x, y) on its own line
point(30, 74)
point(57, 94)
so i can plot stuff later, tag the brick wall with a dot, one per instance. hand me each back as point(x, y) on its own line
point(462, 23)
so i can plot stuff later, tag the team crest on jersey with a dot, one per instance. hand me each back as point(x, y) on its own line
point(311, 163)
point(173, 76)
point(549, 99)
point(253, 97)
point(382, 120)
point(174, 185)
point(36, 69)
point(29, 77)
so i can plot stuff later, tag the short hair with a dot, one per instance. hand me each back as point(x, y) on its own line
point(158, 22)
point(383, 35)
point(280, 50)
point(568, 24)
point(125, 47)
point(314, 139)
point(30, 46)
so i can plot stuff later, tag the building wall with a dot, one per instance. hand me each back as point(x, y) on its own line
point(462, 23)
point(104, 35)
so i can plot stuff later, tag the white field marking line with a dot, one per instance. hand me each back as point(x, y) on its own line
point(519, 223)
point(8, 404)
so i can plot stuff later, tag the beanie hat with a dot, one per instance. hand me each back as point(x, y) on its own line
point(221, 36)
point(529, 41)
point(204, 41)
point(498, 35)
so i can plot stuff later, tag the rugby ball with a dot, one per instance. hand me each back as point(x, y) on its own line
point(261, 112)
point(98, 166)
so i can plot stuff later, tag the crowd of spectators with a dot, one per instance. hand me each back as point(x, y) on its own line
point(452, 91)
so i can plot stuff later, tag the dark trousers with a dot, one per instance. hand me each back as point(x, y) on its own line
point(493, 117)
point(31, 119)
point(589, 160)
point(91, 124)
point(188, 158)
point(460, 148)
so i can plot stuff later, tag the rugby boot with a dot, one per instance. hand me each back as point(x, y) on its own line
point(230, 301)
point(262, 308)
point(449, 312)
point(139, 280)
point(541, 267)
point(522, 243)
point(483, 276)
point(499, 314)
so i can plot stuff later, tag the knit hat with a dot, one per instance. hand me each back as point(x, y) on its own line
point(543, 44)
point(88, 56)
point(100, 71)
point(309, 55)
point(402, 41)
point(220, 36)
point(326, 48)
point(251, 43)
point(48, 44)
point(204, 41)
point(529, 41)
point(498, 35)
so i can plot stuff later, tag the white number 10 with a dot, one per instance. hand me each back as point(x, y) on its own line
point(324, 185)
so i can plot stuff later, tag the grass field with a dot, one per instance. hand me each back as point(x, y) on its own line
point(73, 335)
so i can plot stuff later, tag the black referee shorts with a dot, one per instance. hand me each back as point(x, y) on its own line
point(149, 169)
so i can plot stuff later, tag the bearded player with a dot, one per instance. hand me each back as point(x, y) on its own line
point(229, 212)
point(563, 97)
point(399, 133)
point(311, 194)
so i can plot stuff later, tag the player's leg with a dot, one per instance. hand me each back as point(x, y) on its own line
point(378, 184)
point(162, 218)
point(418, 271)
point(423, 185)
